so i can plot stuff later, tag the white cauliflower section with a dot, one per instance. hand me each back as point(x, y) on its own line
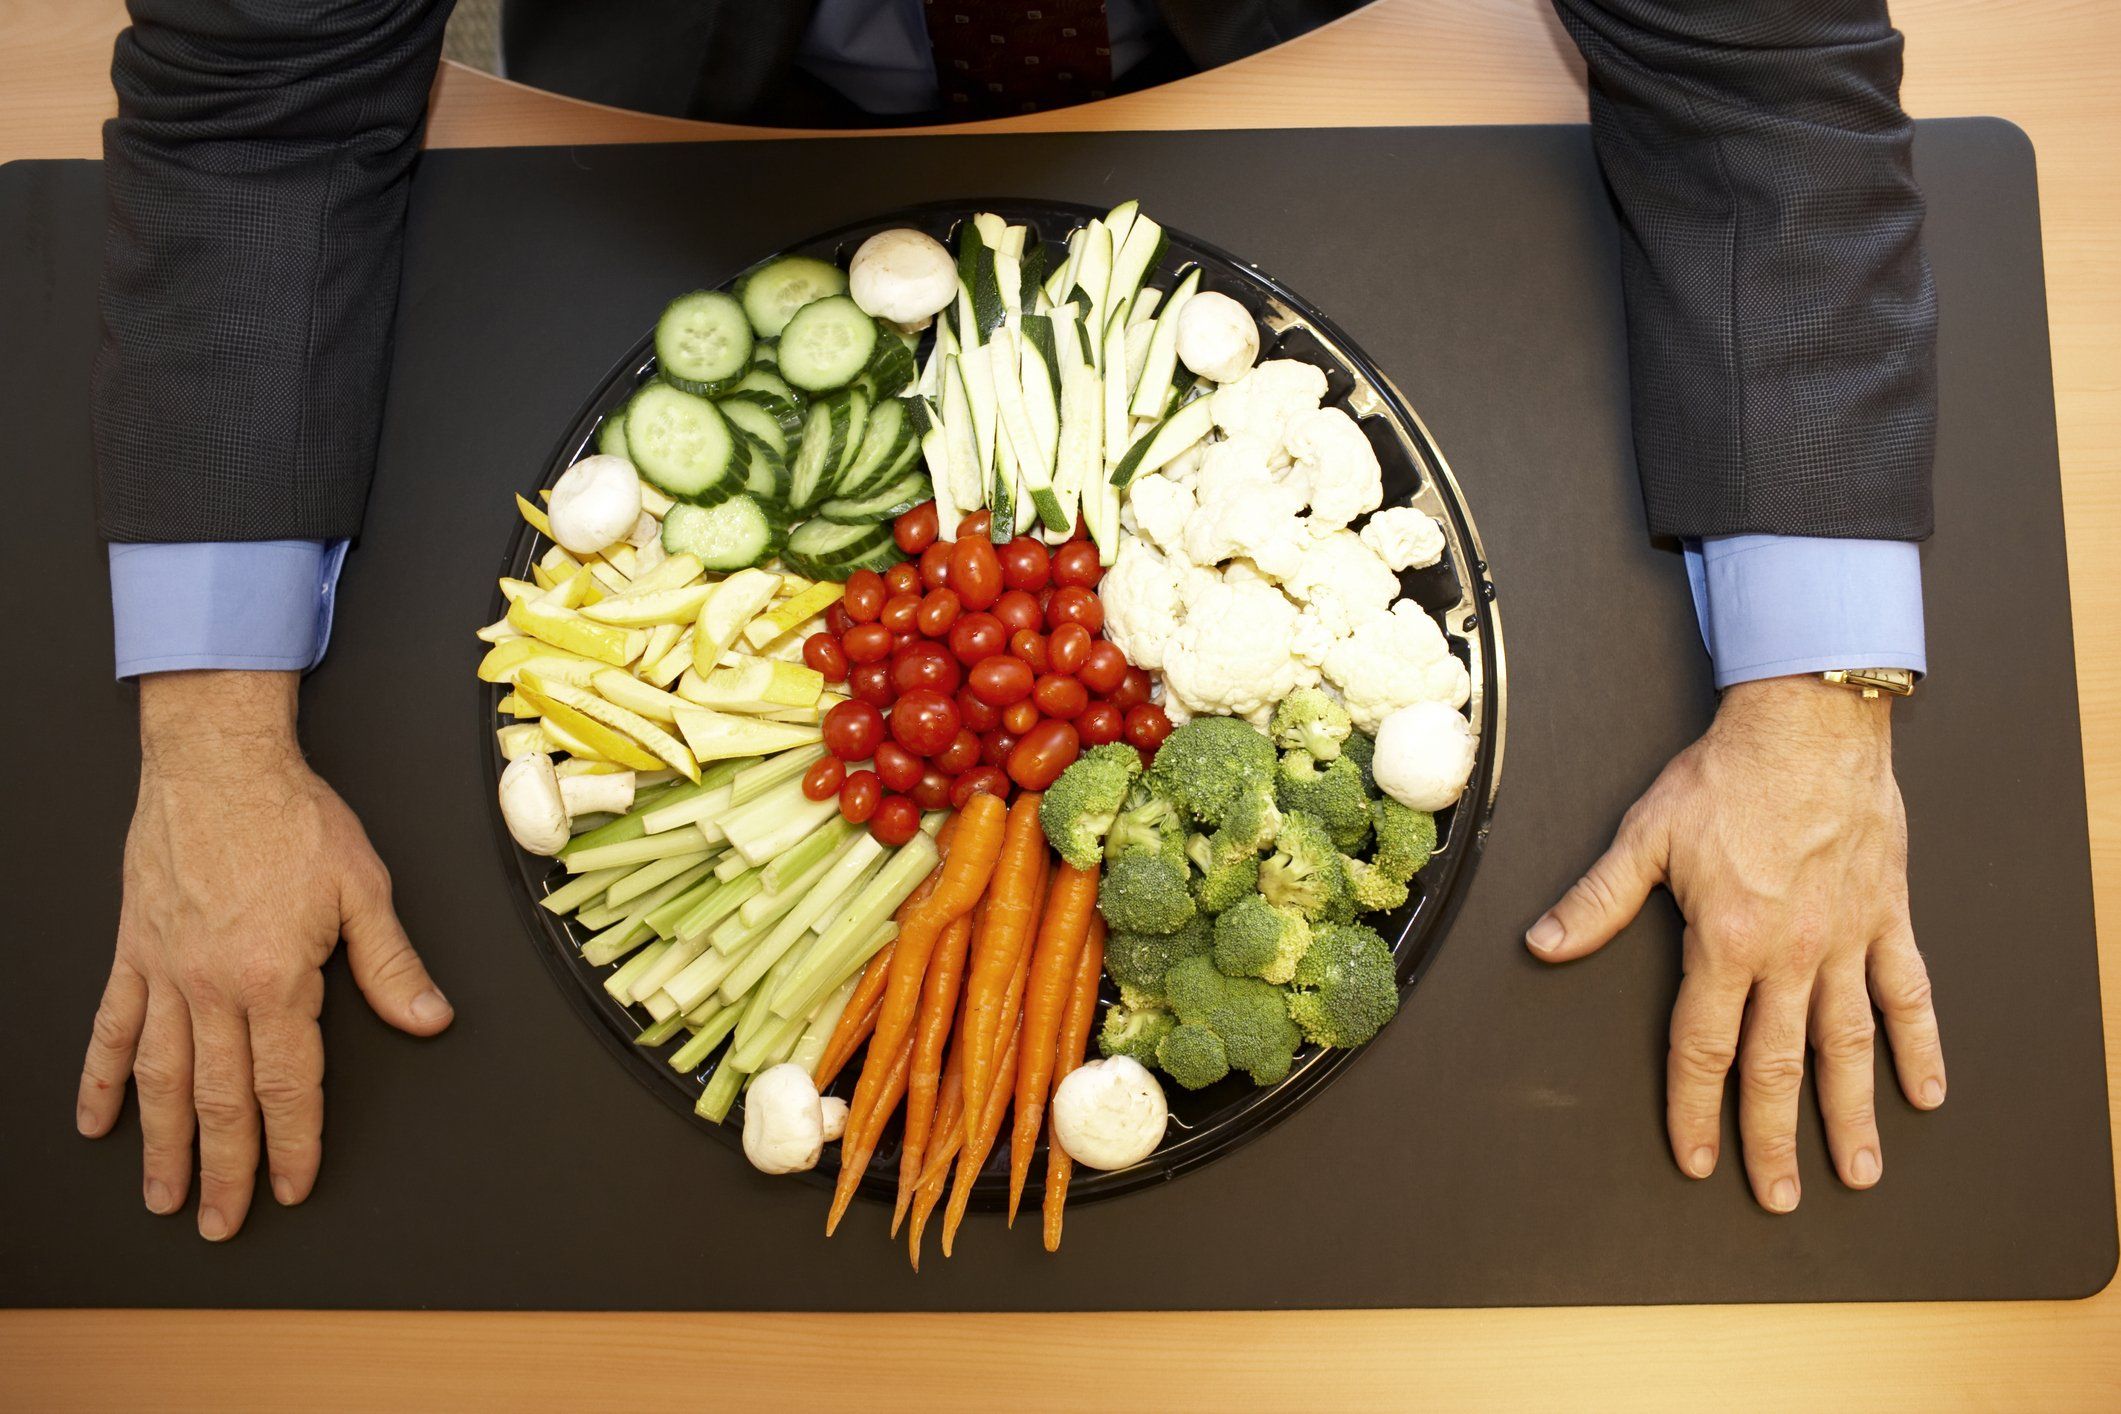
point(1341, 582)
point(1395, 660)
point(1312, 640)
point(1238, 515)
point(1231, 656)
point(1265, 401)
point(1404, 538)
point(1142, 603)
point(1161, 507)
point(1335, 467)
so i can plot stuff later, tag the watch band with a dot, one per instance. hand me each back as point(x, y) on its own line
point(1895, 682)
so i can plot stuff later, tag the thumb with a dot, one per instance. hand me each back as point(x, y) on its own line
point(1607, 898)
point(389, 972)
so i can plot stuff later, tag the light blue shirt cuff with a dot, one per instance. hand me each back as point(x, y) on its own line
point(262, 605)
point(1779, 605)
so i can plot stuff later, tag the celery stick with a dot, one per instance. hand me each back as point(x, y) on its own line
point(777, 900)
point(583, 824)
point(661, 1008)
point(731, 865)
point(667, 966)
point(770, 1044)
point(582, 888)
point(600, 915)
point(823, 1021)
point(760, 1031)
point(638, 851)
point(702, 1014)
point(784, 1044)
point(760, 839)
point(846, 877)
point(767, 805)
point(634, 966)
point(758, 776)
point(635, 921)
point(717, 1028)
point(664, 919)
point(718, 905)
point(693, 810)
point(662, 1031)
point(628, 826)
point(828, 963)
point(815, 847)
point(720, 1092)
point(648, 876)
point(697, 982)
point(733, 934)
point(616, 941)
point(785, 941)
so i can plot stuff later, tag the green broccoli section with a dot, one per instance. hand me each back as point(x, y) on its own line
point(1203, 765)
point(1193, 1056)
point(1079, 808)
point(1146, 820)
point(1330, 793)
point(1253, 938)
point(1146, 891)
point(1345, 986)
point(1362, 750)
point(1134, 1031)
point(1311, 722)
point(1405, 839)
point(1223, 884)
point(1307, 873)
point(1138, 961)
point(1375, 890)
point(1248, 1016)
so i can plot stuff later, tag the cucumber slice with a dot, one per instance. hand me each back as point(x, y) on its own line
point(754, 419)
point(883, 441)
point(825, 549)
point(859, 406)
point(680, 442)
point(892, 372)
point(768, 384)
point(736, 534)
point(703, 342)
point(765, 475)
point(827, 344)
point(1153, 389)
point(897, 497)
point(824, 444)
point(611, 435)
point(775, 291)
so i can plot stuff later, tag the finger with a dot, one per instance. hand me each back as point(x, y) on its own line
point(228, 1118)
point(287, 1052)
point(162, 1073)
point(1900, 984)
point(386, 967)
point(1607, 898)
point(1704, 1042)
point(111, 1042)
point(1770, 1076)
point(1842, 1051)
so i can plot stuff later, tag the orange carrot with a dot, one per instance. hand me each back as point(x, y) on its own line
point(979, 1145)
point(1071, 902)
point(1068, 1054)
point(949, 1134)
point(931, 1029)
point(1012, 909)
point(858, 1020)
point(857, 1146)
point(965, 871)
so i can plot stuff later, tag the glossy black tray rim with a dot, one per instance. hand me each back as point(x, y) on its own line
point(1474, 625)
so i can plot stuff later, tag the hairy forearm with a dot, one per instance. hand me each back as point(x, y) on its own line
point(192, 720)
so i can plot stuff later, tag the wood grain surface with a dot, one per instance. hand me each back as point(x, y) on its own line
point(2051, 66)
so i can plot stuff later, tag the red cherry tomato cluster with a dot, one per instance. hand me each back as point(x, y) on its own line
point(971, 667)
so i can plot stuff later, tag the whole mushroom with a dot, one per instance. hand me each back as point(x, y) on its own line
point(532, 805)
point(595, 504)
point(1424, 755)
point(902, 276)
point(784, 1121)
point(1217, 337)
point(1109, 1114)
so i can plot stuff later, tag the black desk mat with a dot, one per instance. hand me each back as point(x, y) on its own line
point(1500, 1144)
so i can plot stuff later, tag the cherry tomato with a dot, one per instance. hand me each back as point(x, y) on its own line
point(900, 640)
point(977, 716)
point(977, 636)
point(935, 565)
point(1133, 690)
point(867, 643)
point(1100, 723)
point(852, 730)
point(900, 612)
point(897, 820)
point(995, 746)
point(1001, 681)
point(1045, 751)
point(864, 598)
point(980, 780)
point(1017, 610)
point(1045, 600)
point(923, 721)
point(932, 790)
point(1025, 563)
point(1104, 667)
point(1075, 563)
point(1147, 726)
point(975, 526)
point(915, 530)
point(1020, 717)
point(1058, 695)
point(871, 683)
point(939, 609)
point(823, 653)
point(822, 781)
point(1073, 604)
point(903, 578)
point(859, 795)
point(937, 669)
point(1069, 648)
point(962, 754)
point(1031, 646)
point(897, 767)
point(836, 621)
point(974, 572)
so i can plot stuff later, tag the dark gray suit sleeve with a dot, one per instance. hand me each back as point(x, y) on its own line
point(257, 171)
point(1781, 320)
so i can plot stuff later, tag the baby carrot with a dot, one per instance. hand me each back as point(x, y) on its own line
point(979, 1141)
point(931, 1029)
point(949, 1134)
point(857, 1147)
point(1071, 902)
point(1074, 1041)
point(1012, 909)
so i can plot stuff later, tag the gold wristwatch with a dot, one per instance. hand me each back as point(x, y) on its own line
point(1894, 682)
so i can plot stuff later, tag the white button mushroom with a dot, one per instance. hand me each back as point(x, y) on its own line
point(532, 806)
point(1109, 1114)
point(905, 277)
point(1216, 337)
point(605, 793)
point(595, 503)
point(1424, 755)
point(784, 1123)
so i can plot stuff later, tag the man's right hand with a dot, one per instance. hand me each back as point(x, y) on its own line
point(242, 871)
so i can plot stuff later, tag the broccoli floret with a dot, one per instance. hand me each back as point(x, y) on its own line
point(1079, 808)
point(1253, 938)
point(1308, 720)
point(1146, 891)
point(1202, 765)
point(1249, 1016)
point(1250, 822)
point(1330, 793)
point(1375, 890)
point(1306, 873)
point(1148, 820)
point(1405, 839)
point(1226, 883)
point(1346, 988)
point(1138, 961)
point(1363, 751)
point(1193, 1056)
point(1134, 1031)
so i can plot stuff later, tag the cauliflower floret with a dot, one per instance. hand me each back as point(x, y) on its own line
point(1404, 538)
point(1336, 467)
point(1392, 661)
point(1160, 508)
point(1231, 655)
point(1242, 569)
point(1262, 524)
point(1265, 401)
point(1312, 640)
point(1142, 600)
point(1186, 465)
point(1231, 467)
point(1342, 582)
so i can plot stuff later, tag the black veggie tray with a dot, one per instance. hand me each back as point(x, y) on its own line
point(1457, 590)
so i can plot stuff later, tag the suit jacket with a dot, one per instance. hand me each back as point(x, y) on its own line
point(1781, 317)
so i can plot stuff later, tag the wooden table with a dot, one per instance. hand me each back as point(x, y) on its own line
point(2052, 66)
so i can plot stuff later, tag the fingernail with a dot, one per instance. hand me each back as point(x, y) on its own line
point(283, 1188)
point(158, 1200)
point(1783, 1196)
point(212, 1226)
point(1702, 1162)
point(1932, 1094)
point(84, 1120)
point(429, 1006)
point(1864, 1168)
point(1546, 934)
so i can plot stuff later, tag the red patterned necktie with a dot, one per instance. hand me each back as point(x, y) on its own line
point(992, 57)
